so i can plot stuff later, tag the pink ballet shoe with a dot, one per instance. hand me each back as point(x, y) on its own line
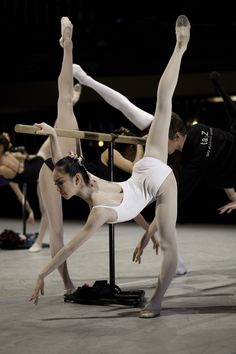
point(35, 248)
point(182, 30)
point(65, 23)
point(149, 312)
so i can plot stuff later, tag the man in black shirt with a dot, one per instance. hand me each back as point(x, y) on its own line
point(208, 156)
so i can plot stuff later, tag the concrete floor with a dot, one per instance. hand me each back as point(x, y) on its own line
point(198, 313)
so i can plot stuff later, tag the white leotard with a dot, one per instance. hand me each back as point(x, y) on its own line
point(140, 189)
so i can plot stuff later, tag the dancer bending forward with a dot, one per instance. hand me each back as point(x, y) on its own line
point(113, 202)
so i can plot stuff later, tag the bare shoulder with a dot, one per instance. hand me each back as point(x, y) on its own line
point(99, 216)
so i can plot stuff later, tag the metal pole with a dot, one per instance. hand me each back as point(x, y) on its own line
point(111, 226)
point(24, 207)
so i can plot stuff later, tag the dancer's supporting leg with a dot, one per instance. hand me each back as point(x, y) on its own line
point(65, 120)
point(157, 147)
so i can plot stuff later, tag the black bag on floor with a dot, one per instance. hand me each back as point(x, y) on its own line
point(11, 240)
point(102, 293)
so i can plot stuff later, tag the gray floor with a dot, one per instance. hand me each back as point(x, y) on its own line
point(198, 314)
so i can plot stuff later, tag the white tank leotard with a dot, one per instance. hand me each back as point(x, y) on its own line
point(140, 189)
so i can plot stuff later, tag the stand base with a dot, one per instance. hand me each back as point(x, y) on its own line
point(102, 293)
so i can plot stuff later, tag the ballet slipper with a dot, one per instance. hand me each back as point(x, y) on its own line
point(76, 93)
point(181, 269)
point(182, 30)
point(65, 23)
point(79, 74)
point(148, 313)
point(69, 291)
point(36, 247)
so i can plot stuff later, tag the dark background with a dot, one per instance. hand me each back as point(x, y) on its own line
point(125, 45)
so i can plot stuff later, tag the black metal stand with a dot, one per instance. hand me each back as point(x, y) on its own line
point(24, 217)
point(102, 292)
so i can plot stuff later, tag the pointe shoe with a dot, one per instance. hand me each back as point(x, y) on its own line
point(35, 248)
point(76, 93)
point(182, 30)
point(65, 23)
point(69, 291)
point(79, 74)
point(181, 269)
point(148, 313)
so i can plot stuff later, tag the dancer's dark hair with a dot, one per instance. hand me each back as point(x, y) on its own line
point(72, 165)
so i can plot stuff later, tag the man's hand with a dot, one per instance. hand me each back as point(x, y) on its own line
point(227, 208)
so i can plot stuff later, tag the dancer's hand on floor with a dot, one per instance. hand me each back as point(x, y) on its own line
point(39, 288)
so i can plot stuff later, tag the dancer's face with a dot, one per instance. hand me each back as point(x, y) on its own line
point(66, 185)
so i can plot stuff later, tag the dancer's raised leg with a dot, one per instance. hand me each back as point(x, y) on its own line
point(137, 116)
point(157, 147)
point(65, 120)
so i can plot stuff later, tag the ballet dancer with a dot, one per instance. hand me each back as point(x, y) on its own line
point(113, 202)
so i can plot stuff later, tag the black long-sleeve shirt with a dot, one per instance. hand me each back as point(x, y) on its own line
point(209, 157)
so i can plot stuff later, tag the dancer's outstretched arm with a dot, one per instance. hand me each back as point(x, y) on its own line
point(137, 116)
point(96, 218)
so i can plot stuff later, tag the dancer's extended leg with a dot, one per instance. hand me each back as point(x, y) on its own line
point(157, 147)
point(137, 116)
point(65, 120)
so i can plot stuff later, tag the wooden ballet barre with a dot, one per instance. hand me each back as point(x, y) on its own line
point(87, 135)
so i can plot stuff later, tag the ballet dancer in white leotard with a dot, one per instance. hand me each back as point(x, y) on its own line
point(109, 201)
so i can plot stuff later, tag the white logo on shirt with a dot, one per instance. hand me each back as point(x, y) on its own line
point(205, 138)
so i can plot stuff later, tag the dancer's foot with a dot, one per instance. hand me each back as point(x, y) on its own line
point(182, 30)
point(79, 74)
point(36, 247)
point(69, 291)
point(149, 311)
point(76, 93)
point(66, 30)
point(181, 269)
